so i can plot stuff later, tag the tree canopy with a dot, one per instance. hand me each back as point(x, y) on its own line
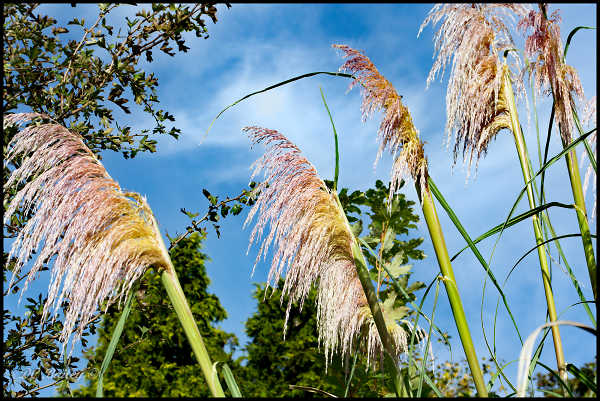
point(154, 358)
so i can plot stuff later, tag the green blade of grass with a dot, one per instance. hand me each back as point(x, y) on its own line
point(422, 375)
point(230, 380)
point(337, 154)
point(436, 192)
point(585, 379)
point(112, 346)
point(349, 383)
point(412, 336)
point(568, 43)
point(511, 222)
point(570, 272)
point(557, 377)
point(545, 242)
point(586, 144)
point(312, 390)
point(287, 81)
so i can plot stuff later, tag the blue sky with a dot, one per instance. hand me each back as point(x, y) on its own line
point(255, 46)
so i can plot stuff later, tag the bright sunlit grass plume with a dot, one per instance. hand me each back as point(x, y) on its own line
point(98, 238)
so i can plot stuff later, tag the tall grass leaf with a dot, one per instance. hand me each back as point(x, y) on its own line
point(312, 390)
point(544, 243)
point(349, 383)
point(112, 346)
point(422, 375)
point(435, 191)
point(585, 379)
point(230, 380)
point(287, 81)
point(568, 43)
point(337, 154)
point(525, 355)
point(515, 220)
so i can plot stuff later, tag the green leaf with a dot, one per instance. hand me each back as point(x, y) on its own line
point(356, 228)
point(236, 209)
point(115, 337)
point(230, 380)
point(396, 268)
point(339, 74)
point(585, 379)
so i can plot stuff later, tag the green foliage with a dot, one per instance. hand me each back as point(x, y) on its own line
point(79, 82)
point(272, 363)
point(154, 358)
point(548, 382)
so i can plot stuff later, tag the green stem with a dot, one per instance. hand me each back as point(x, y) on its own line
point(586, 238)
point(522, 152)
point(363, 274)
point(184, 313)
point(441, 252)
point(369, 289)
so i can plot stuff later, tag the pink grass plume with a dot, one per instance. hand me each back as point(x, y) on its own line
point(311, 236)
point(97, 238)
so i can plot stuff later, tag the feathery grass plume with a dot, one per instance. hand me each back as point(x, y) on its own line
point(397, 132)
point(590, 115)
point(310, 234)
point(474, 34)
point(545, 46)
point(100, 237)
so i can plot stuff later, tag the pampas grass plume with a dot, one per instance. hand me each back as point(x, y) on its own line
point(98, 238)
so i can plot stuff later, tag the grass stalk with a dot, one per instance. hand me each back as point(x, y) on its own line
point(371, 295)
point(184, 313)
point(582, 219)
point(523, 159)
point(369, 289)
point(441, 252)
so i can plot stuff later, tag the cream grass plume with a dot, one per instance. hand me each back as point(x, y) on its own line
point(310, 235)
point(98, 238)
point(474, 35)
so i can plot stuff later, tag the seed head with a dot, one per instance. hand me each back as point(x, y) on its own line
point(549, 69)
point(474, 34)
point(311, 236)
point(397, 132)
point(98, 238)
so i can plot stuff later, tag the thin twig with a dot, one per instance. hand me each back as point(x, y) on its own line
point(211, 208)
